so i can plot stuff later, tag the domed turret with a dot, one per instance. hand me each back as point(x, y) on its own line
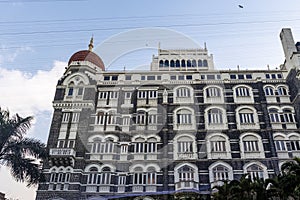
point(88, 55)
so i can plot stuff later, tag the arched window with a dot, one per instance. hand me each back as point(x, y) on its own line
point(242, 92)
point(182, 63)
point(151, 176)
point(142, 145)
point(194, 63)
point(183, 92)
point(274, 115)
point(217, 144)
point(177, 64)
point(166, 63)
point(213, 92)
point(71, 89)
point(205, 63)
point(138, 176)
point(102, 146)
point(250, 143)
point(172, 63)
point(287, 116)
point(185, 145)
point(246, 116)
point(53, 176)
point(200, 63)
point(139, 145)
point(189, 63)
point(255, 172)
point(186, 177)
point(161, 63)
point(220, 173)
point(280, 143)
point(295, 143)
point(282, 91)
point(184, 116)
point(105, 176)
point(269, 91)
point(92, 177)
point(141, 118)
point(215, 116)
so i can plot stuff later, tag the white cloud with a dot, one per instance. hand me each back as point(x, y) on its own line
point(7, 56)
point(28, 94)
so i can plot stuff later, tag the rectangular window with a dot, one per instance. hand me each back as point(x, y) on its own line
point(142, 94)
point(126, 121)
point(65, 118)
point(70, 92)
point(60, 144)
point(127, 95)
point(75, 117)
point(122, 180)
point(189, 77)
point(106, 78)
point(295, 145)
point(80, 91)
point(248, 76)
point(128, 77)
point(124, 148)
point(213, 92)
point(280, 145)
point(250, 146)
point(218, 146)
point(138, 178)
point(232, 76)
point(103, 95)
point(210, 77)
point(150, 78)
point(143, 78)
point(279, 75)
point(114, 78)
point(151, 178)
point(152, 119)
point(184, 118)
point(267, 76)
point(180, 77)
point(202, 77)
point(173, 77)
point(218, 76)
point(185, 147)
point(241, 76)
point(152, 94)
point(246, 118)
point(242, 92)
point(158, 77)
point(273, 76)
point(114, 95)
point(71, 144)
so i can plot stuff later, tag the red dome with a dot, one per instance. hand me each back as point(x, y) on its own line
point(86, 55)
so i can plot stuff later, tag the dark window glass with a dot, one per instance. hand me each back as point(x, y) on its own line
point(241, 76)
point(158, 77)
point(180, 77)
point(114, 78)
point(150, 78)
point(248, 76)
point(128, 77)
point(210, 77)
point(218, 76)
point(173, 77)
point(273, 76)
point(80, 91)
point(143, 78)
point(232, 76)
point(106, 78)
point(202, 77)
point(189, 77)
point(267, 76)
point(70, 93)
point(279, 76)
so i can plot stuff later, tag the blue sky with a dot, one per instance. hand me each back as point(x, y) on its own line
point(38, 37)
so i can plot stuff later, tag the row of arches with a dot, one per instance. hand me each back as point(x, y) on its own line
point(183, 63)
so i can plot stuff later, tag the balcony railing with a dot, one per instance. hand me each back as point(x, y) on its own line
point(186, 155)
point(62, 152)
point(186, 185)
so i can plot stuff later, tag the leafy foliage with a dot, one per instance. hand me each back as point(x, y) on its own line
point(285, 186)
point(19, 153)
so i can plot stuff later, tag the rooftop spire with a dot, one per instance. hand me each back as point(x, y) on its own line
point(91, 46)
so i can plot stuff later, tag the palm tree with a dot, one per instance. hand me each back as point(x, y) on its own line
point(17, 152)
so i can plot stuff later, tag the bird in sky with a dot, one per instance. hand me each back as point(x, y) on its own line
point(240, 6)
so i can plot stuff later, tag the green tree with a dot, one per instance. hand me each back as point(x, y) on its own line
point(18, 152)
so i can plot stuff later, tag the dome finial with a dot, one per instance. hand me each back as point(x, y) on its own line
point(91, 46)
